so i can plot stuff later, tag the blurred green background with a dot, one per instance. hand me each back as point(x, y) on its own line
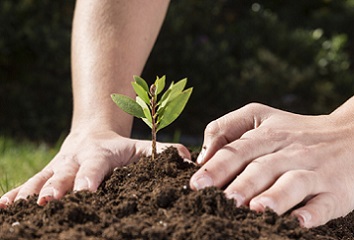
point(293, 55)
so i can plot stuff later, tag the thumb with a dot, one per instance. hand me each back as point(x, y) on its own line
point(230, 127)
point(182, 150)
point(145, 148)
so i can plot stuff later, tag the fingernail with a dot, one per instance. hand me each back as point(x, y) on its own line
point(239, 199)
point(82, 184)
point(303, 216)
point(203, 182)
point(4, 201)
point(200, 158)
point(261, 203)
point(18, 197)
point(188, 161)
point(47, 192)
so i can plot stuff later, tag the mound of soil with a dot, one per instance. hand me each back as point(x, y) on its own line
point(152, 200)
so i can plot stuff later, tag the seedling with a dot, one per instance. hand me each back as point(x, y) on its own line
point(156, 113)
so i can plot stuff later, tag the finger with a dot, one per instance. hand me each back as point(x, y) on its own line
point(91, 173)
point(230, 160)
point(230, 127)
point(262, 172)
point(59, 183)
point(248, 184)
point(319, 210)
point(289, 190)
point(182, 150)
point(34, 184)
point(9, 197)
point(145, 148)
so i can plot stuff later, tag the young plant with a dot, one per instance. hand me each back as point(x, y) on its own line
point(156, 113)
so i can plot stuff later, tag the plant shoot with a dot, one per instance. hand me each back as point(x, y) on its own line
point(156, 112)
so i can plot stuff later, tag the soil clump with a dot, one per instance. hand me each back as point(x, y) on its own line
point(152, 200)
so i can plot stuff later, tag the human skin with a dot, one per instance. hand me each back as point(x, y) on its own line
point(265, 157)
point(111, 42)
point(280, 159)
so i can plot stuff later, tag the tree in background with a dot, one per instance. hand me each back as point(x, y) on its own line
point(294, 55)
point(35, 87)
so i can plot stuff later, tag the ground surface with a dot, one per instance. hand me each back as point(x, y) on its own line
point(152, 200)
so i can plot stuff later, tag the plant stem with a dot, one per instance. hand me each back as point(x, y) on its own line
point(153, 101)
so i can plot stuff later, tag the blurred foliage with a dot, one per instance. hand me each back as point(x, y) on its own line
point(293, 55)
point(35, 88)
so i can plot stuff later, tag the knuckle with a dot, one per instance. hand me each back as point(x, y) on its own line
point(267, 135)
point(264, 164)
point(329, 207)
point(300, 175)
point(247, 185)
point(38, 178)
point(240, 152)
point(301, 149)
point(324, 210)
point(303, 177)
point(61, 159)
point(273, 134)
point(255, 108)
point(213, 128)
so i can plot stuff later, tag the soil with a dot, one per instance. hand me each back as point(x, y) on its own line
point(152, 200)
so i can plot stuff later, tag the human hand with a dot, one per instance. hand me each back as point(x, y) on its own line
point(270, 158)
point(82, 163)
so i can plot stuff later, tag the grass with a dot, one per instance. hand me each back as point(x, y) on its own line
point(21, 160)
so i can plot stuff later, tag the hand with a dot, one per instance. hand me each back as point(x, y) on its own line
point(82, 163)
point(270, 158)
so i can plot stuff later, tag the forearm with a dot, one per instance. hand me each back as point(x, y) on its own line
point(111, 42)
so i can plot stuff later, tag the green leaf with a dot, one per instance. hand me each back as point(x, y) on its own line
point(141, 82)
point(160, 84)
point(165, 96)
point(164, 100)
point(146, 111)
point(178, 87)
point(139, 90)
point(173, 91)
point(173, 109)
point(128, 105)
point(147, 122)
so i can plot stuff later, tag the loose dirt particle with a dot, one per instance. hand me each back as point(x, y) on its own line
point(152, 200)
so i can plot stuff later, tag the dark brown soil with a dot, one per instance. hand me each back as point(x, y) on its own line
point(152, 200)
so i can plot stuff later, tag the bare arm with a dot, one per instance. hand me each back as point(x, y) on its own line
point(111, 42)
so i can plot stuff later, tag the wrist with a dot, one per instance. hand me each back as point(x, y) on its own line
point(102, 121)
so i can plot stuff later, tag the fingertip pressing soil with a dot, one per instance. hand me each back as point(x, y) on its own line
point(152, 200)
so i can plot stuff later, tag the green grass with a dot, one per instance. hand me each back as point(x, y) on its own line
point(21, 160)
